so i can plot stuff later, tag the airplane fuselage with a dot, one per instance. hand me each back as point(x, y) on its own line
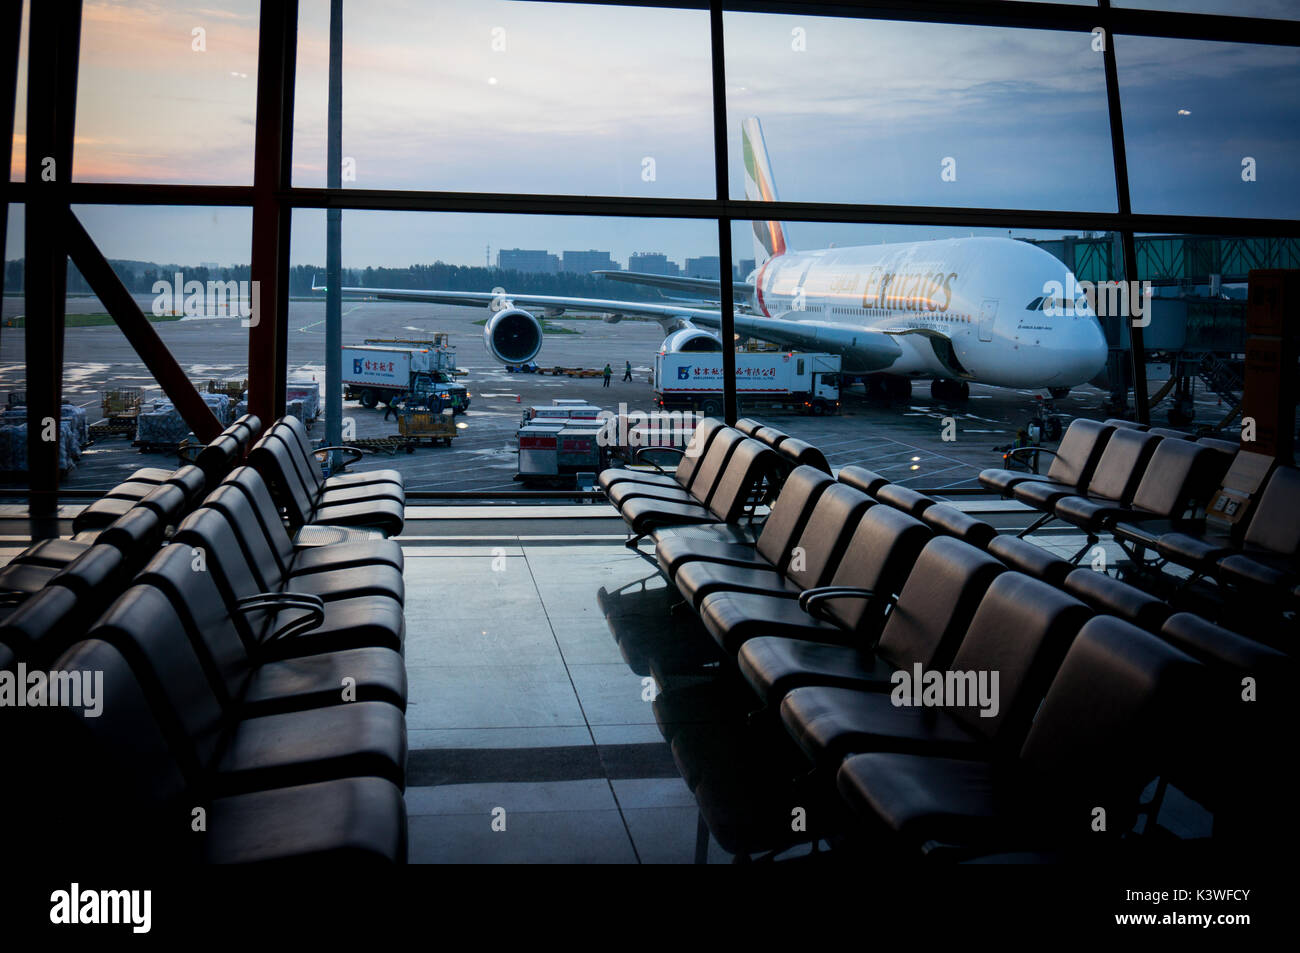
point(958, 308)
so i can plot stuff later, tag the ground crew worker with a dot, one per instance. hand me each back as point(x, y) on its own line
point(609, 371)
point(627, 371)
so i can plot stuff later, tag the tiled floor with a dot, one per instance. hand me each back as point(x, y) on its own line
point(532, 720)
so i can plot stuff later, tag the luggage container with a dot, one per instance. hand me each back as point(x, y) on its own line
point(539, 449)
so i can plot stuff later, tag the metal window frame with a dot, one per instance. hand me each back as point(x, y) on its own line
point(273, 198)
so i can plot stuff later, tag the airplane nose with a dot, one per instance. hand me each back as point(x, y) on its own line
point(1089, 350)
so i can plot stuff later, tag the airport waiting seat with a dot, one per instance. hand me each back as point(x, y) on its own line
point(233, 662)
point(849, 608)
point(1230, 447)
point(926, 624)
point(1179, 475)
point(339, 486)
point(1106, 594)
point(771, 436)
point(1122, 424)
point(272, 458)
point(790, 513)
point(1113, 482)
point(133, 788)
point(747, 426)
point(188, 481)
point(687, 467)
point(1073, 460)
point(866, 481)
point(1269, 533)
point(1269, 560)
point(812, 557)
point(295, 560)
point(1021, 630)
point(359, 578)
point(703, 477)
point(1114, 715)
point(343, 623)
point(748, 468)
point(241, 753)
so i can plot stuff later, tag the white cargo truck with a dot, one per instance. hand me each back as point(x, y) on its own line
point(374, 374)
point(801, 382)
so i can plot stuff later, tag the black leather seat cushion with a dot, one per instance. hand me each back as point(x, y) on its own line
point(774, 666)
point(315, 681)
point(732, 617)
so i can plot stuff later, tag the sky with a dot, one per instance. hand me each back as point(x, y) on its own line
point(491, 95)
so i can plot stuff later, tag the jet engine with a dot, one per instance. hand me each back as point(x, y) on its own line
point(513, 336)
point(691, 340)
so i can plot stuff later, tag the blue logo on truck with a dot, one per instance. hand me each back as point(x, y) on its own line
point(356, 365)
point(684, 372)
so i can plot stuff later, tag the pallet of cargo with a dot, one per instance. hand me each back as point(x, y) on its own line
point(122, 404)
point(388, 445)
point(420, 425)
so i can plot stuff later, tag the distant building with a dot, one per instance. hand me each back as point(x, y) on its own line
point(585, 262)
point(210, 265)
point(746, 266)
point(705, 267)
point(653, 263)
point(535, 261)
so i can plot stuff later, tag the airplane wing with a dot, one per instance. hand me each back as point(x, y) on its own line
point(708, 287)
point(864, 349)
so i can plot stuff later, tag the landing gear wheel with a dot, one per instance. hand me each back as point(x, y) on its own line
point(369, 399)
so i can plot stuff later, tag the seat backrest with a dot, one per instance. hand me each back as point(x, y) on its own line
point(828, 530)
point(1025, 557)
point(116, 773)
point(904, 498)
point(251, 484)
point(1275, 525)
point(860, 478)
point(1107, 594)
point(166, 500)
point(708, 474)
point(144, 627)
point(224, 643)
point(210, 532)
point(308, 467)
point(96, 575)
point(1121, 423)
point(747, 467)
point(192, 480)
point(263, 560)
point(1021, 631)
point(936, 604)
point(1114, 709)
point(44, 625)
point(770, 436)
point(947, 519)
point(1080, 449)
point(879, 555)
point(1178, 473)
point(245, 430)
point(747, 426)
point(1169, 432)
point(790, 513)
point(689, 467)
point(216, 459)
point(1122, 465)
point(137, 533)
point(270, 457)
point(798, 453)
point(1230, 447)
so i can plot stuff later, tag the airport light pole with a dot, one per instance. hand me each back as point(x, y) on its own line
point(334, 244)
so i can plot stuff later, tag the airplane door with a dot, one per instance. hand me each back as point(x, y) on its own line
point(988, 311)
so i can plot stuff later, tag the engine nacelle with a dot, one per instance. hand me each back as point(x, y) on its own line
point(513, 336)
point(691, 340)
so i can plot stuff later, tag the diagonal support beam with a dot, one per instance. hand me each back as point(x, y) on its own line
point(139, 331)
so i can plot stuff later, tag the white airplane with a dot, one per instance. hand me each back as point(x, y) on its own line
point(953, 310)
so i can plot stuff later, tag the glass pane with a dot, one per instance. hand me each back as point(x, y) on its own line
point(167, 93)
point(1210, 128)
point(947, 342)
point(1275, 9)
point(410, 252)
point(918, 113)
point(495, 96)
point(18, 148)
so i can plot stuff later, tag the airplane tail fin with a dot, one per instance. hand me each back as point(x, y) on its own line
point(769, 237)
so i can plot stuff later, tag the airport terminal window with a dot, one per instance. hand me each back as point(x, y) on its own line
point(453, 96)
point(167, 93)
point(17, 151)
point(1272, 9)
point(919, 113)
point(490, 392)
point(1211, 128)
